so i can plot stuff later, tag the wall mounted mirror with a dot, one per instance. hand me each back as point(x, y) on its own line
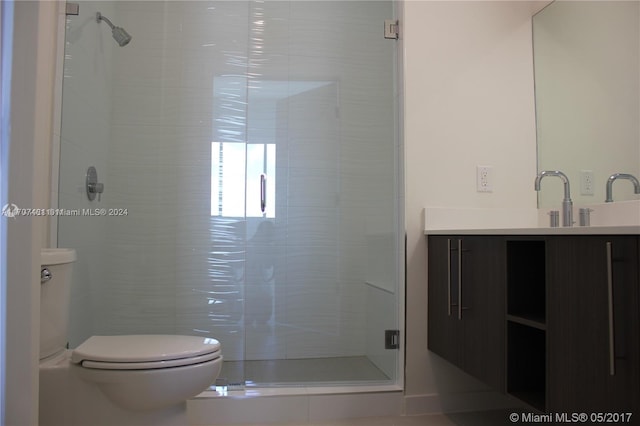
point(587, 85)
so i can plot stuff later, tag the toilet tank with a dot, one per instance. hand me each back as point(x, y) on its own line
point(56, 268)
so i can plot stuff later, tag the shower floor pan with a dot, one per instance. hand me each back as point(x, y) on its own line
point(307, 371)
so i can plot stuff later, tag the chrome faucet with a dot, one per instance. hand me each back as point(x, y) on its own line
point(567, 204)
point(613, 177)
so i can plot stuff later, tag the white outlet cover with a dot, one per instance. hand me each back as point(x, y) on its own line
point(484, 178)
point(586, 182)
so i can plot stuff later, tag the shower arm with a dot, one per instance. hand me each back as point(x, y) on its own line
point(99, 18)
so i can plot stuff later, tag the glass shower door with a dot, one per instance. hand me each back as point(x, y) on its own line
point(321, 90)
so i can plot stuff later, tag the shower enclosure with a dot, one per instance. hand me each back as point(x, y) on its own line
point(247, 182)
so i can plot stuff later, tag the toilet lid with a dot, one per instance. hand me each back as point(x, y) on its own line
point(143, 348)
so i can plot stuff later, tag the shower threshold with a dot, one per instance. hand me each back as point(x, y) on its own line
point(295, 404)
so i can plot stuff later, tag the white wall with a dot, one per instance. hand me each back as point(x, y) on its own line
point(468, 101)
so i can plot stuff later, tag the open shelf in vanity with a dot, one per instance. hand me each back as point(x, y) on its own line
point(526, 321)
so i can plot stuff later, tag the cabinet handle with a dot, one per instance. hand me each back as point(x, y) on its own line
point(460, 279)
point(449, 276)
point(612, 350)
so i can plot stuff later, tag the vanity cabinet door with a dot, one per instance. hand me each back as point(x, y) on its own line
point(466, 326)
point(483, 308)
point(593, 326)
point(444, 328)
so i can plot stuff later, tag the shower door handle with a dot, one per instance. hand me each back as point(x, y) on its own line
point(263, 192)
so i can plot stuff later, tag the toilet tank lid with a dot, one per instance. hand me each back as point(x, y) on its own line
point(143, 348)
point(57, 256)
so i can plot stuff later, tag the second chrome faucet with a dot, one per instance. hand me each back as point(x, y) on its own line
point(567, 204)
point(614, 177)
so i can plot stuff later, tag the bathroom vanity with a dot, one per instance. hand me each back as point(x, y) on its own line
point(550, 316)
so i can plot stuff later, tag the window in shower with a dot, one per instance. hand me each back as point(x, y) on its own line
point(229, 180)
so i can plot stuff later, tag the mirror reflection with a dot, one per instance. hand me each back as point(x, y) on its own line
point(587, 84)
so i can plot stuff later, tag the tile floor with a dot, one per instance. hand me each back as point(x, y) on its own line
point(354, 370)
point(430, 420)
point(485, 418)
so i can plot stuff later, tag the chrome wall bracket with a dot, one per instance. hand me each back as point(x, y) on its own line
point(392, 339)
point(72, 9)
point(391, 29)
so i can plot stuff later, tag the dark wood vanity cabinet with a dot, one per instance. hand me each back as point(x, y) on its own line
point(593, 324)
point(466, 304)
point(553, 320)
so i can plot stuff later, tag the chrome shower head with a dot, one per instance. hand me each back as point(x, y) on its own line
point(118, 33)
point(121, 36)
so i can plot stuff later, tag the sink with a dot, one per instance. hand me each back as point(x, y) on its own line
point(618, 213)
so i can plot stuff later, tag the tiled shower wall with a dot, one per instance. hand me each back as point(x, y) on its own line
point(315, 79)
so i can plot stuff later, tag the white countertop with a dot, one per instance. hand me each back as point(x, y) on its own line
point(621, 218)
point(575, 230)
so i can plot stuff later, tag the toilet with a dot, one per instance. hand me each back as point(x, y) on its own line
point(134, 372)
point(147, 372)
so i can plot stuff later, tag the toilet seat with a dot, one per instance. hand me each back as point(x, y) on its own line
point(144, 352)
point(149, 365)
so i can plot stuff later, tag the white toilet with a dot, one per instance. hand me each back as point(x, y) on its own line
point(135, 372)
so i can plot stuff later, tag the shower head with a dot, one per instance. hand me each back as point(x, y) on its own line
point(118, 33)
